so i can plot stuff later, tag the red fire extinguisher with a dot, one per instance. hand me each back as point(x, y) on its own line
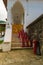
point(34, 46)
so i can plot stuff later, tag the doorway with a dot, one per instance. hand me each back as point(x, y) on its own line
point(17, 23)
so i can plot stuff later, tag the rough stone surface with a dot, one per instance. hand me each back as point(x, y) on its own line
point(20, 57)
point(35, 29)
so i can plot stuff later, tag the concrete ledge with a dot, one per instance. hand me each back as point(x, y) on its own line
point(6, 46)
point(13, 48)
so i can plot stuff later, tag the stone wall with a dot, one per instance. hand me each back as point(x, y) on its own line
point(36, 29)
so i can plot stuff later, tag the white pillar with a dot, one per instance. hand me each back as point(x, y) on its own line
point(8, 33)
point(6, 46)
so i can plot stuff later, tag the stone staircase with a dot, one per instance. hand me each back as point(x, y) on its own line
point(16, 42)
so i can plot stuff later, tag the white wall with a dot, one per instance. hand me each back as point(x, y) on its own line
point(8, 33)
point(34, 8)
point(10, 5)
point(3, 12)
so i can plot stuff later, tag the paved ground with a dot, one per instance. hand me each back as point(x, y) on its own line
point(20, 57)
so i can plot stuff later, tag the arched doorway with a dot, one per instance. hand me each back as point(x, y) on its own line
point(17, 22)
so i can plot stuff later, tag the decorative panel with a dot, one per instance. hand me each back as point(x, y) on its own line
point(16, 28)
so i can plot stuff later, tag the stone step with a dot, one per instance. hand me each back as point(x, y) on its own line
point(15, 38)
point(16, 44)
point(21, 48)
